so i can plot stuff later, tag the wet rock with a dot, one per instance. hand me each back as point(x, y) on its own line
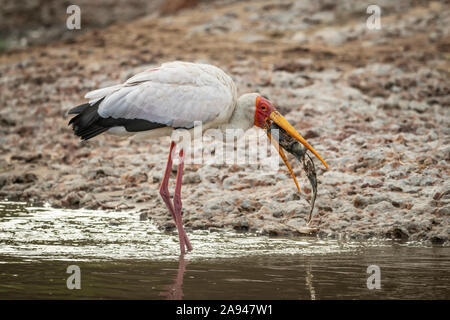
point(5, 179)
point(101, 172)
point(191, 178)
point(29, 158)
point(300, 226)
point(383, 207)
point(370, 182)
point(311, 134)
point(87, 200)
point(321, 17)
point(124, 206)
point(278, 213)
point(214, 205)
point(298, 208)
point(218, 25)
point(73, 199)
point(337, 178)
point(420, 107)
point(32, 193)
point(135, 177)
point(419, 180)
point(271, 229)
point(156, 177)
point(241, 225)
point(230, 182)
point(331, 36)
point(114, 222)
point(249, 206)
point(288, 80)
point(399, 233)
point(252, 38)
point(143, 216)
point(172, 6)
point(439, 237)
point(294, 66)
point(445, 211)
point(360, 202)
point(26, 177)
point(199, 225)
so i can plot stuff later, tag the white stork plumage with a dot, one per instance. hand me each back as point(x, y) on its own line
point(173, 96)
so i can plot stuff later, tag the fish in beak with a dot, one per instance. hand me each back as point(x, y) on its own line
point(276, 117)
point(282, 140)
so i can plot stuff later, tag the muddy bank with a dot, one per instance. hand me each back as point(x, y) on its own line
point(374, 104)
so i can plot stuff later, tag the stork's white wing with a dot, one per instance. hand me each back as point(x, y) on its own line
point(176, 94)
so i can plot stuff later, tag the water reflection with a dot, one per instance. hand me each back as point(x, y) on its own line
point(175, 290)
point(132, 259)
point(408, 273)
point(309, 282)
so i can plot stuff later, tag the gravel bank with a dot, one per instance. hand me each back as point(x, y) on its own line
point(374, 104)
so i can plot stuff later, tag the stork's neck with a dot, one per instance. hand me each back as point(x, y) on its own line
point(243, 116)
point(237, 121)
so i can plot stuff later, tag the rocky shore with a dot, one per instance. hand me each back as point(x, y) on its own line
point(374, 103)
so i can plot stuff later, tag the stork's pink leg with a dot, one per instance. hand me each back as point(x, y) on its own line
point(177, 198)
point(165, 195)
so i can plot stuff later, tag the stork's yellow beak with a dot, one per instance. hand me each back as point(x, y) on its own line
point(276, 117)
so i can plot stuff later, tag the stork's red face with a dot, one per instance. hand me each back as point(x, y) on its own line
point(262, 113)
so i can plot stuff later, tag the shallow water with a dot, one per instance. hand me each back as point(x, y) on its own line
point(120, 256)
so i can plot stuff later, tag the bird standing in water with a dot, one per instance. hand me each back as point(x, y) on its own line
point(174, 96)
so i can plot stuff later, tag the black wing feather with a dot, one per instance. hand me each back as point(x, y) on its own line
point(88, 123)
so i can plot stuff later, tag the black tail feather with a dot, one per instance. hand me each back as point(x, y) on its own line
point(78, 109)
point(92, 132)
point(85, 123)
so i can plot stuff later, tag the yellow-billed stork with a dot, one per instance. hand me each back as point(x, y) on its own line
point(173, 96)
